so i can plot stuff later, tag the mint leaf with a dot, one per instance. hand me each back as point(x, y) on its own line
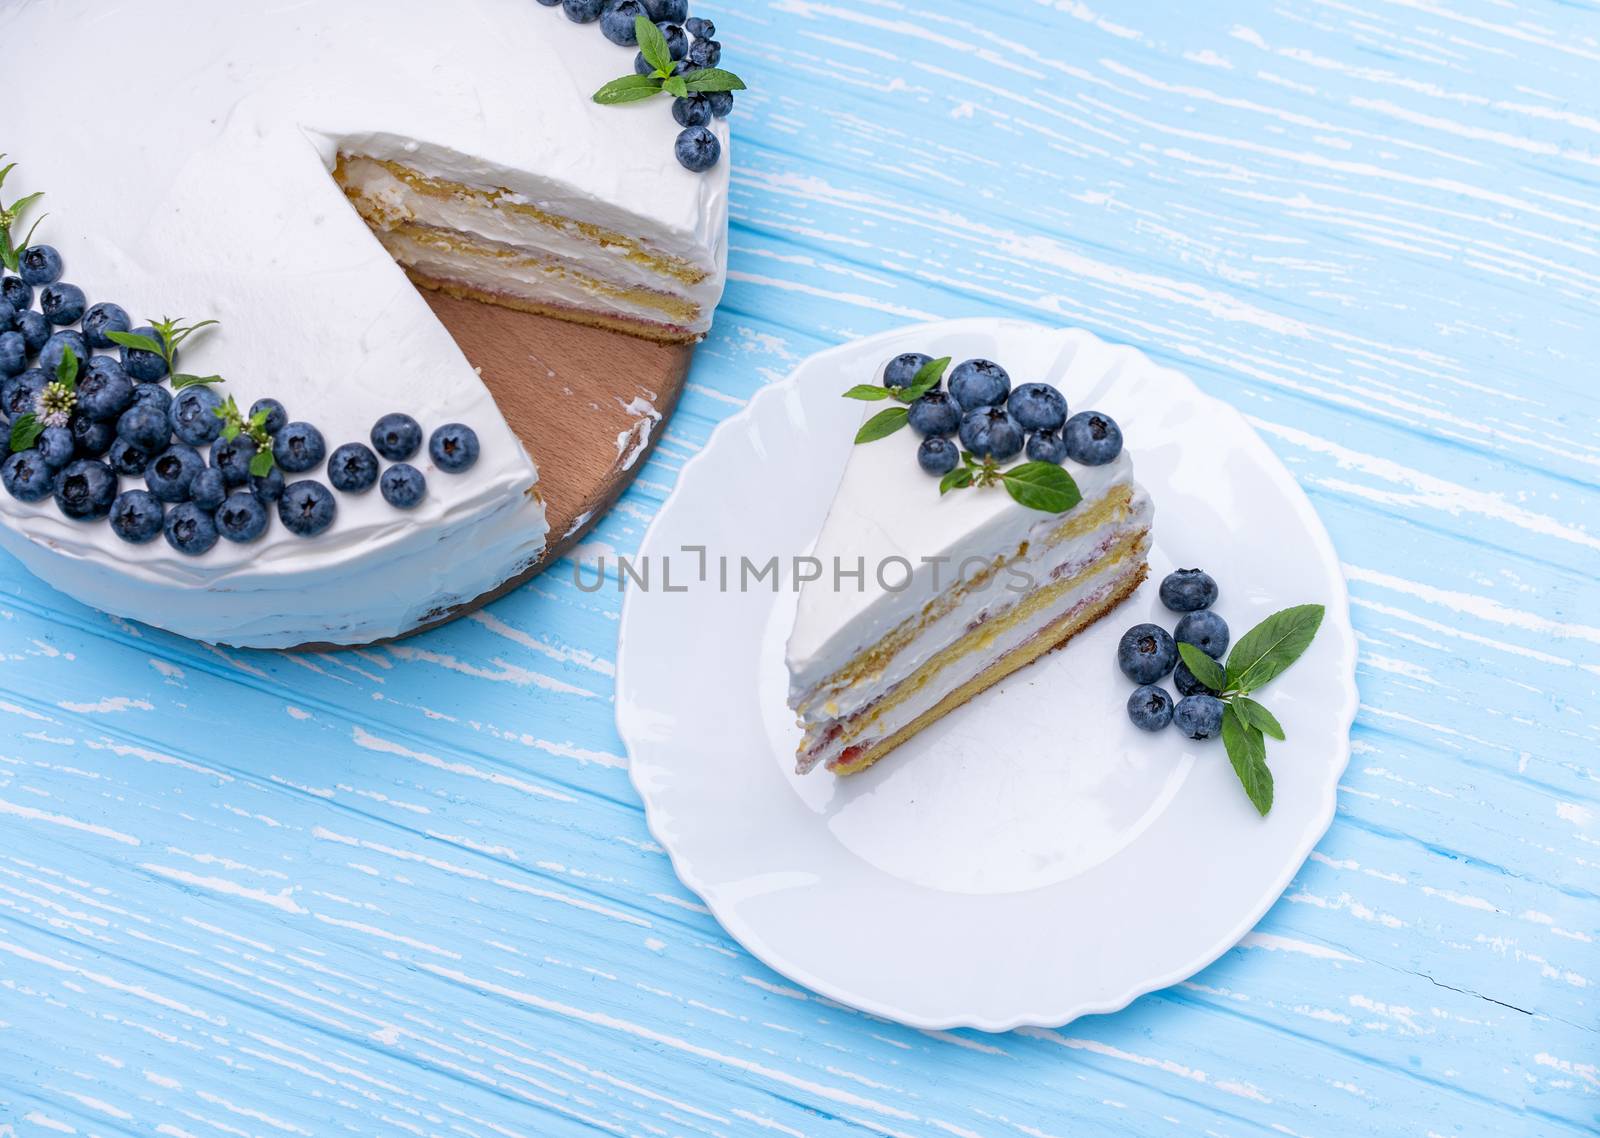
point(711, 79)
point(136, 341)
point(628, 89)
point(653, 44)
point(1042, 486)
point(870, 392)
point(957, 479)
point(1247, 751)
point(1254, 715)
point(67, 369)
point(676, 87)
point(929, 376)
point(179, 382)
point(25, 431)
point(1205, 669)
point(882, 425)
point(1266, 651)
point(261, 465)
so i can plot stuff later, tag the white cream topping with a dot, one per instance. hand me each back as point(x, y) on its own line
point(197, 182)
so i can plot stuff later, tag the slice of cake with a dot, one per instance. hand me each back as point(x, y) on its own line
point(923, 599)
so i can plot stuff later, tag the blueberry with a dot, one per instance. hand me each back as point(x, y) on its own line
point(979, 383)
point(137, 516)
point(934, 414)
point(277, 418)
point(582, 11)
point(1188, 683)
point(171, 473)
point(454, 448)
point(1205, 630)
point(85, 489)
point(145, 427)
point(19, 393)
point(1092, 438)
point(677, 39)
point(56, 347)
point(1047, 446)
point(13, 354)
point(1146, 653)
point(700, 29)
point(154, 396)
point(35, 331)
point(126, 458)
point(189, 529)
point(403, 486)
point(397, 437)
point(268, 487)
point(41, 265)
point(991, 432)
point(1038, 407)
point(306, 508)
point(17, 292)
point(92, 436)
point(193, 415)
point(104, 391)
point(1150, 707)
point(62, 304)
point(56, 446)
point(667, 11)
point(298, 447)
point(616, 21)
point(209, 489)
point(721, 103)
point(233, 459)
point(143, 366)
point(353, 468)
point(901, 371)
point(27, 476)
point(8, 316)
point(242, 517)
point(705, 53)
point(550, 3)
point(1199, 716)
point(102, 318)
point(938, 456)
point(1188, 590)
point(697, 149)
point(693, 111)
point(641, 65)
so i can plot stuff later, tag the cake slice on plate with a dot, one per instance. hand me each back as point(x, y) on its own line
point(1022, 527)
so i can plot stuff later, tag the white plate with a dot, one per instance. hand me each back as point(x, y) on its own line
point(1032, 857)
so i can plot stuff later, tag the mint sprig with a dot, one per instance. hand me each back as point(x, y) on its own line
point(254, 427)
point(1258, 657)
point(52, 406)
point(25, 431)
point(1040, 486)
point(885, 423)
point(10, 218)
point(170, 335)
point(664, 77)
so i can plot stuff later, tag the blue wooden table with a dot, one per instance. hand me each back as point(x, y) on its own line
point(409, 891)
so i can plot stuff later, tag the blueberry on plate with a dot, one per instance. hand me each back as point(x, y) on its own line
point(241, 517)
point(699, 28)
point(268, 487)
point(19, 393)
point(1092, 438)
point(668, 11)
point(1199, 716)
point(397, 437)
point(721, 103)
point(353, 468)
point(85, 489)
point(1047, 446)
point(189, 529)
point(991, 432)
point(62, 304)
point(1146, 653)
point(1188, 590)
point(171, 472)
point(693, 111)
point(454, 448)
point(104, 390)
point(143, 366)
point(137, 516)
point(1205, 630)
point(934, 414)
point(582, 11)
point(56, 446)
point(277, 418)
point(938, 455)
point(93, 436)
point(35, 331)
point(154, 396)
point(697, 149)
point(298, 447)
point(1038, 407)
point(56, 347)
point(40, 265)
point(1150, 707)
point(616, 21)
point(307, 508)
point(145, 427)
point(705, 53)
point(209, 489)
point(979, 383)
point(233, 458)
point(102, 318)
point(27, 476)
point(1188, 683)
point(126, 458)
point(193, 415)
point(17, 292)
point(13, 354)
point(403, 486)
point(901, 371)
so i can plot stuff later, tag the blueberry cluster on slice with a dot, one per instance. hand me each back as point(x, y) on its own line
point(1147, 654)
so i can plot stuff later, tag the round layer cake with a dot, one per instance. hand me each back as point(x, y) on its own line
point(295, 173)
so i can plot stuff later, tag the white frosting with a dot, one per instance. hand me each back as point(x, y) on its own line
point(886, 508)
point(195, 181)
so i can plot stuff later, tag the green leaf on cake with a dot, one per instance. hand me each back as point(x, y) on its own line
point(1205, 669)
point(882, 425)
point(628, 89)
point(653, 45)
point(67, 369)
point(1266, 651)
point(134, 341)
point(1254, 715)
point(179, 382)
point(10, 216)
point(1042, 486)
point(1247, 752)
point(676, 87)
point(870, 392)
point(957, 479)
point(25, 431)
point(261, 465)
point(713, 79)
point(929, 376)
